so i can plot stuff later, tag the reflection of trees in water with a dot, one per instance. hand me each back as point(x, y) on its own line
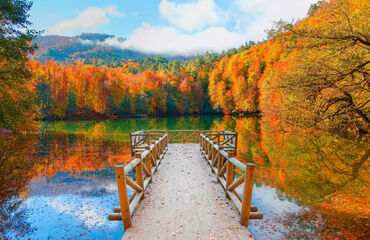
point(16, 170)
point(76, 153)
point(318, 169)
point(22, 159)
point(339, 163)
point(342, 160)
point(311, 166)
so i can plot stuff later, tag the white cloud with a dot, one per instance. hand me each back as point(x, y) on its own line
point(194, 27)
point(89, 19)
point(191, 16)
point(112, 10)
point(205, 26)
point(86, 41)
point(169, 41)
point(257, 15)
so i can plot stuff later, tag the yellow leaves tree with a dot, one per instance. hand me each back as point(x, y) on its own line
point(328, 85)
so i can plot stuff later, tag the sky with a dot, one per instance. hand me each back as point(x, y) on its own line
point(171, 27)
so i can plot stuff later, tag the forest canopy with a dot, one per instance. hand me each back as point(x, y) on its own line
point(17, 106)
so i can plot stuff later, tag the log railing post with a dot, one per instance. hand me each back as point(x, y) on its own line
point(229, 174)
point(148, 160)
point(148, 138)
point(201, 142)
point(236, 144)
point(162, 145)
point(214, 156)
point(139, 171)
point(220, 158)
point(123, 197)
point(183, 136)
point(229, 171)
point(156, 150)
point(204, 144)
point(207, 152)
point(131, 145)
point(159, 147)
point(154, 155)
point(162, 141)
point(247, 194)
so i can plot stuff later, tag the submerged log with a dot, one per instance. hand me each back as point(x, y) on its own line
point(115, 216)
point(255, 215)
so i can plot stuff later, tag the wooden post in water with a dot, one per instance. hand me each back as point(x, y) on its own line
point(123, 197)
point(247, 194)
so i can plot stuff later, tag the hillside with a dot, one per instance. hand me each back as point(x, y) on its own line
point(86, 47)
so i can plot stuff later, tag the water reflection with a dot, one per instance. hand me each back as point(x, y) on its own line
point(16, 170)
point(61, 182)
point(59, 186)
point(324, 175)
point(76, 153)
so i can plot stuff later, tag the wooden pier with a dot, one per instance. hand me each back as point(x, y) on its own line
point(184, 200)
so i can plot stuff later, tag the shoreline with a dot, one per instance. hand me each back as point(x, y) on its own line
point(96, 117)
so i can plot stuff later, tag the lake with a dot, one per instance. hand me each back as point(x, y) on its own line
point(60, 183)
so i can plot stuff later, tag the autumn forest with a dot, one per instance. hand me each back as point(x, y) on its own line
point(299, 100)
point(312, 73)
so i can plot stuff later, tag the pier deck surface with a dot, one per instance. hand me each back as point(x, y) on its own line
point(184, 201)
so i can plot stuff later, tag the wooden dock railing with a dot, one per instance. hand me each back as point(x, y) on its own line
point(145, 164)
point(219, 149)
point(139, 139)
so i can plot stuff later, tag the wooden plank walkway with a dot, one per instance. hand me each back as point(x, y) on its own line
point(184, 201)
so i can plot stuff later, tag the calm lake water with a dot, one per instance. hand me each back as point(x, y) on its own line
point(60, 183)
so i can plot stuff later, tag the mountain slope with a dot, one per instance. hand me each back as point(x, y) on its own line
point(84, 46)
